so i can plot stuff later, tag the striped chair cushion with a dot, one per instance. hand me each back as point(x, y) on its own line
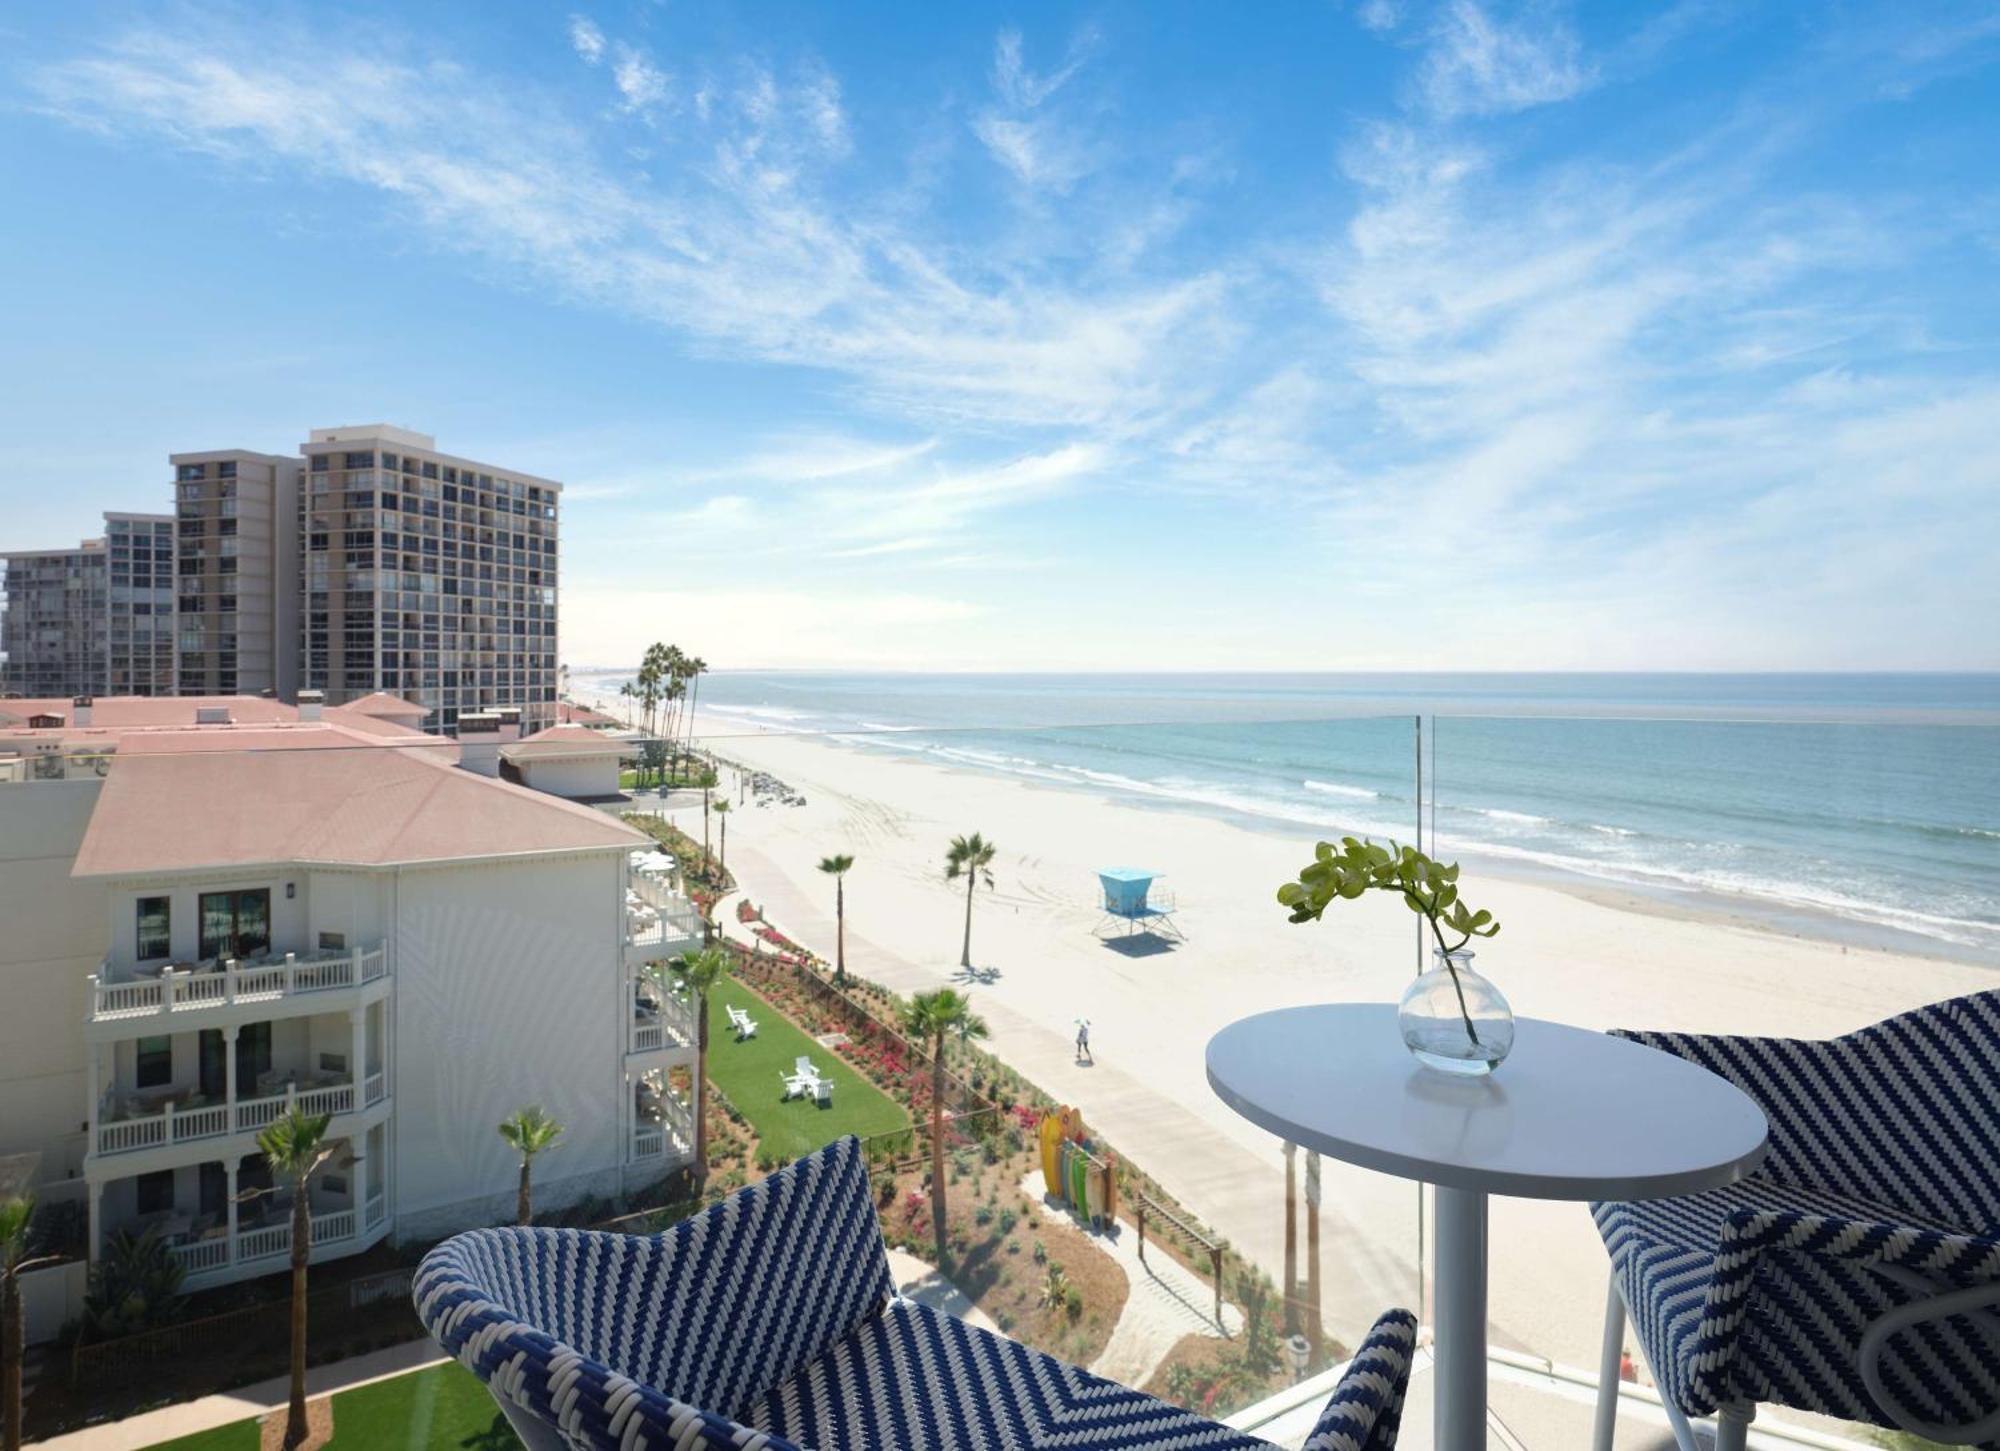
point(1366, 1408)
point(1883, 1178)
point(915, 1379)
point(571, 1325)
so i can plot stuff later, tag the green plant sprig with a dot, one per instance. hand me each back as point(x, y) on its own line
point(1428, 887)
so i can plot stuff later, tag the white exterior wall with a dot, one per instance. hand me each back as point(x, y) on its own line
point(579, 779)
point(510, 989)
point(52, 936)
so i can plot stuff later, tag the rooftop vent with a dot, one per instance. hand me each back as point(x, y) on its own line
point(211, 715)
point(79, 712)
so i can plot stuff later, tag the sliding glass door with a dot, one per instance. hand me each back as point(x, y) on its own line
point(235, 924)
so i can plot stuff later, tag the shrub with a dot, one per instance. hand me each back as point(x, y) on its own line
point(1073, 1302)
point(1008, 1219)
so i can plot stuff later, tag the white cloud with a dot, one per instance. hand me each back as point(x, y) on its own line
point(586, 38)
point(639, 81)
point(1378, 15)
point(753, 252)
point(1478, 65)
point(1045, 148)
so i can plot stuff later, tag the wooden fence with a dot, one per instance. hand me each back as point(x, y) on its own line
point(1144, 1204)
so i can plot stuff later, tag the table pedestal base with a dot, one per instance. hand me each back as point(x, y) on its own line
point(1460, 1344)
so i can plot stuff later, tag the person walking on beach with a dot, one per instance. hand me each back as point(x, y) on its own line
point(1083, 1053)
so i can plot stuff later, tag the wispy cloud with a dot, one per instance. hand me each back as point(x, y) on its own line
point(639, 81)
point(1042, 146)
point(586, 39)
point(1481, 65)
point(754, 249)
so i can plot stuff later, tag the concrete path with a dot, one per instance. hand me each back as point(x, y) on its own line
point(1167, 1302)
point(254, 1400)
point(920, 1281)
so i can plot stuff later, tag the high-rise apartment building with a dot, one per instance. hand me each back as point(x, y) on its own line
point(426, 575)
point(237, 572)
point(370, 562)
point(93, 620)
point(139, 562)
point(55, 628)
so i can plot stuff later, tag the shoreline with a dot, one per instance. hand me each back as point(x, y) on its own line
point(1785, 920)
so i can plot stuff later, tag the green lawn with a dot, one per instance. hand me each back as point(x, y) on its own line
point(749, 1076)
point(443, 1407)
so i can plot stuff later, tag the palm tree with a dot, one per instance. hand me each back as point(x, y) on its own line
point(707, 785)
point(295, 1148)
point(15, 1216)
point(837, 867)
point(701, 972)
point(696, 667)
point(722, 847)
point(969, 857)
point(528, 1131)
point(931, 1018)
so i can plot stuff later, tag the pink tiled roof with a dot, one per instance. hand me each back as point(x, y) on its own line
point(139, 711)
point(383, 703)
point(562, 741)
point(167, 810)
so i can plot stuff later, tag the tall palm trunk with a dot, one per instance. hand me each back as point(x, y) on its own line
point(700, 1088)
point(839, 932)
point(722, 849)
point(523, 1210)
point(704, 827)
point(937, 1147)
point(13, 1344)
point(965, 954)
point(295, 1418)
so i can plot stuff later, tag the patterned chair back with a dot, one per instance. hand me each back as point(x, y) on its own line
point(712, 1312)
point(1904, 1112)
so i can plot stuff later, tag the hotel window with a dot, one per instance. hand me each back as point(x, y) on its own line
point(235, 924)
point(192, 471)
point(225, 470)
point(155, 928)
point(155, 1067)
point(155, 1191)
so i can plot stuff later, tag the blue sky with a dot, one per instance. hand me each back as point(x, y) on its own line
point(1376, 335)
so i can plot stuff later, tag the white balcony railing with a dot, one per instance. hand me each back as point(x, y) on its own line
point(212, 1120)
point(202, 1255)
point(661, 1019)
point(178, 990)
point(649, 1141)
point(276, 1239)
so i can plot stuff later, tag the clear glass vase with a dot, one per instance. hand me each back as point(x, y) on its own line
point(1454, 1020)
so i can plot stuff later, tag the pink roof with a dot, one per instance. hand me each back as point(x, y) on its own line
point(139, 711)
point(569, 712)
point(164, 810)
point(562, 741)
point(383, 703)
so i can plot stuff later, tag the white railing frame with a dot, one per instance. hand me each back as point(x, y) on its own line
point(180, 991)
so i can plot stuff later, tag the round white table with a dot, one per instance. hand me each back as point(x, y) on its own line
point(1571, 1114)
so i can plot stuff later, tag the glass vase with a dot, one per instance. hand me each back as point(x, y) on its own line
point(1454, 1020)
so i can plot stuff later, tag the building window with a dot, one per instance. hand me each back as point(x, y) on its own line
point(214, 1189)
point(226, 470)
point(155, 1191)
point(156, 1063)
point(192, 471)
point(155, 928)
point(235, 924)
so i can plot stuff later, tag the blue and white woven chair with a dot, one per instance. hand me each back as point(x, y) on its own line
point(1857, 1272)
point(769, 1322)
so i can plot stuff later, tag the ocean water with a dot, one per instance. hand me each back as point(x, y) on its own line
point(1863, 806)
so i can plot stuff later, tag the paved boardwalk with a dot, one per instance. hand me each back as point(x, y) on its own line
point(1167, 1302)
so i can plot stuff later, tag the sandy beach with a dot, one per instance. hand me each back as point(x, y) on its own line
point(1589, 959)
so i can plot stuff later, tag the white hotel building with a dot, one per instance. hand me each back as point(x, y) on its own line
point(218, 907)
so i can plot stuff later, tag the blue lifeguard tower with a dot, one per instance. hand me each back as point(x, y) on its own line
point(1133, 901)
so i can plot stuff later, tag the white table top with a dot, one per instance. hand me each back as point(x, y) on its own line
point(1571, 1114)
